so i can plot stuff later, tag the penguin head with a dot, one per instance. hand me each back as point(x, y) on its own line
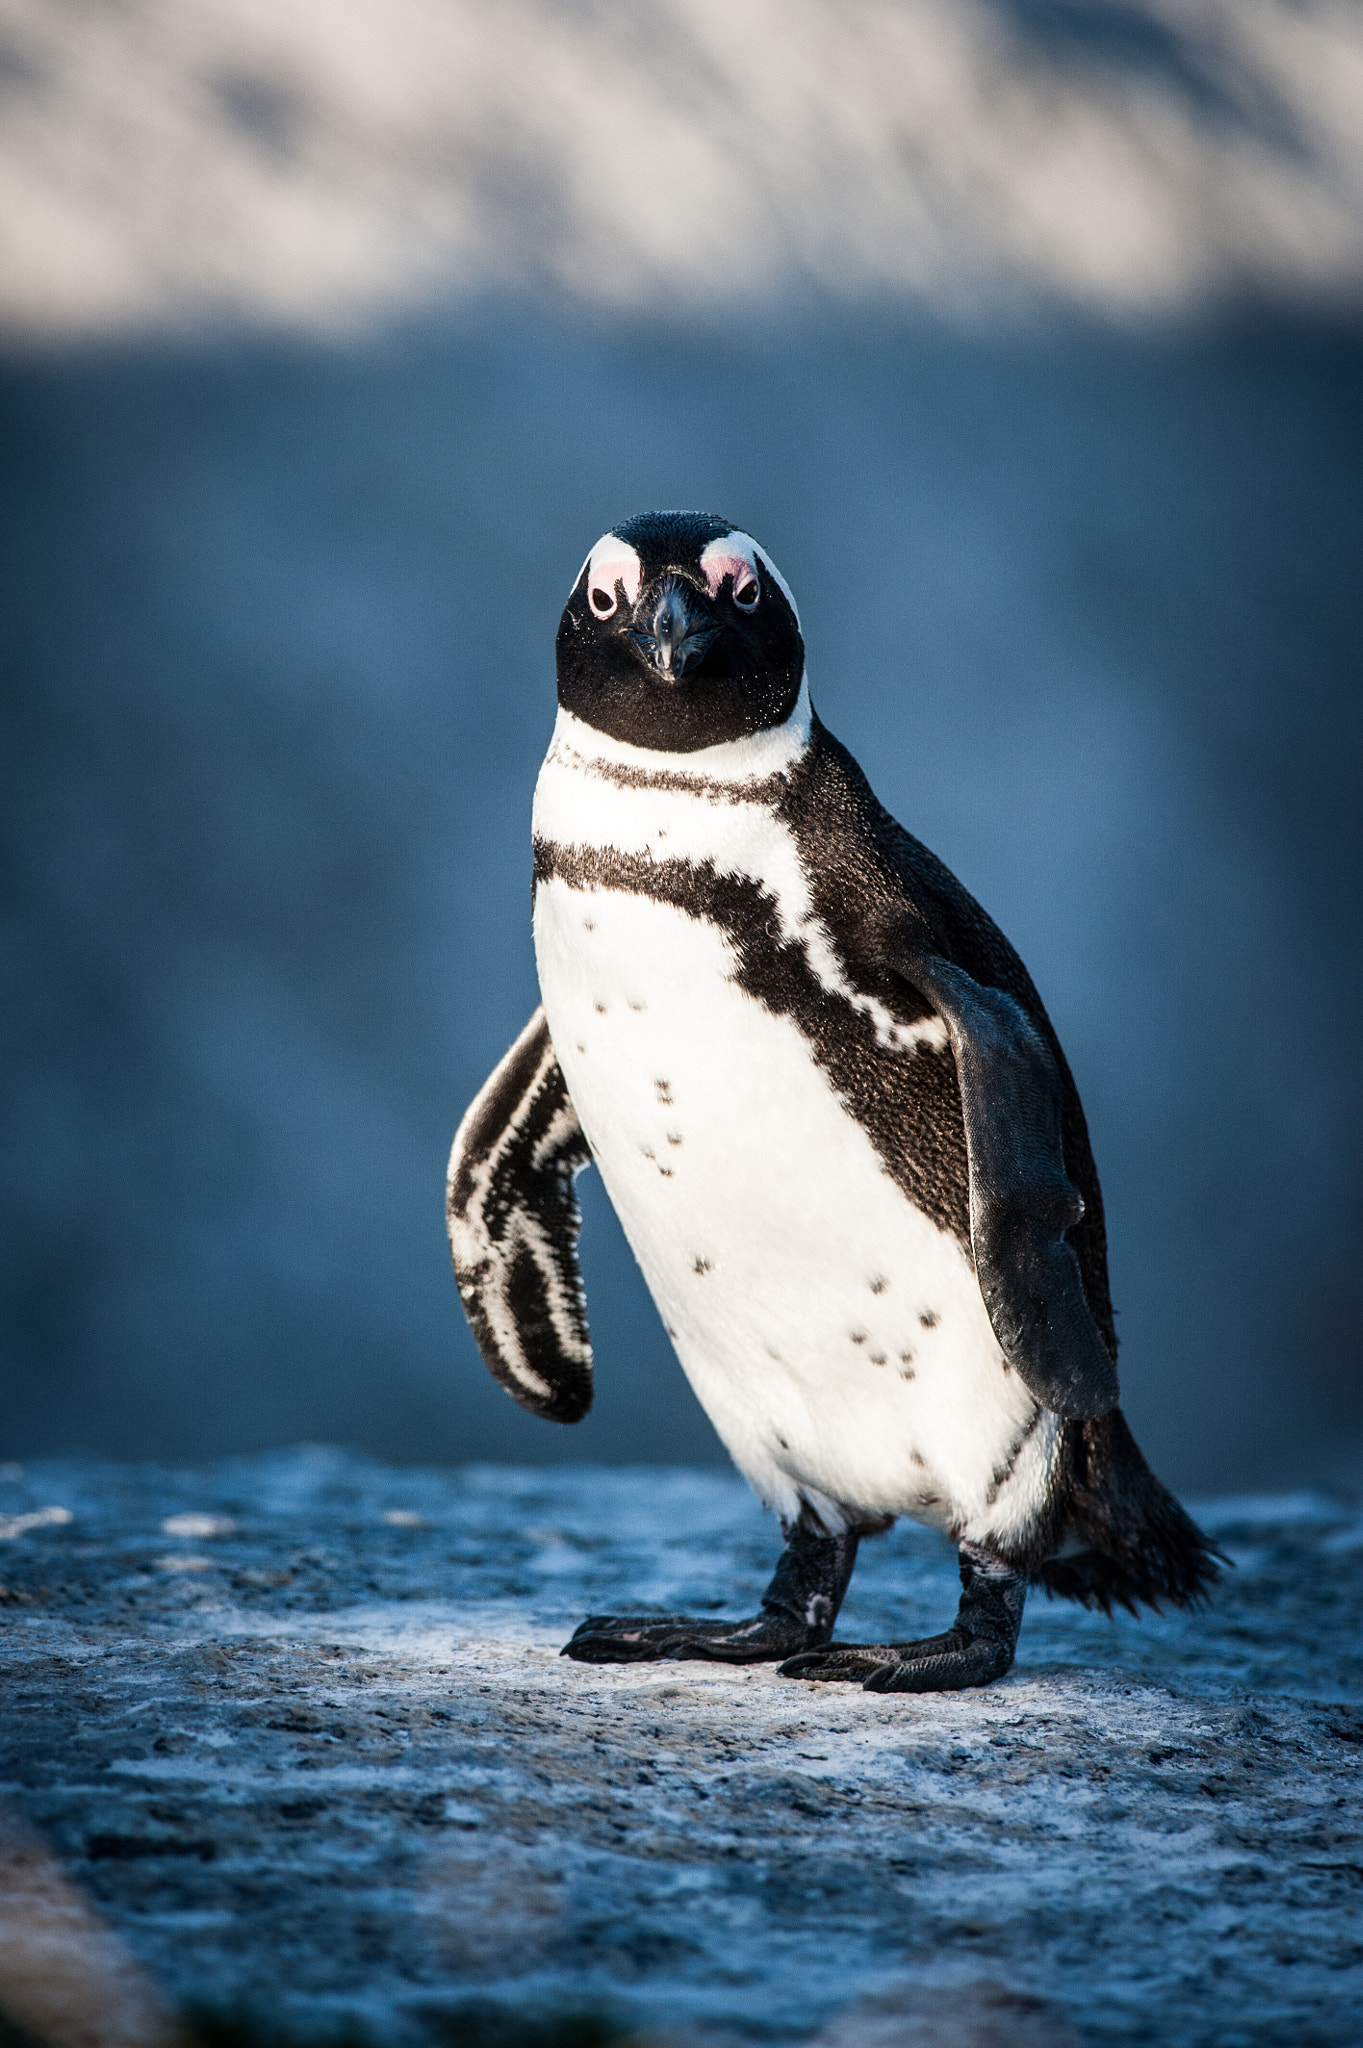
point(680, 633)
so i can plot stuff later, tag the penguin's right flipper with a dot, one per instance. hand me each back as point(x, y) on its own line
point(1022, 1200)
point(514, 1222)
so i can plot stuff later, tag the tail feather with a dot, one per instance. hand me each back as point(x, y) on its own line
point(1140, 1547)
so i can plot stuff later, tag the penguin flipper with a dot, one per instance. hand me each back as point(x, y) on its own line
point(514, 1221)
point(1022, 1200)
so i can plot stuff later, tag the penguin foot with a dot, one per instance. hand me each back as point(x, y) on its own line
point(636, 1639)
point(799, 1609)
point(978, 1649)
point(946, 1663)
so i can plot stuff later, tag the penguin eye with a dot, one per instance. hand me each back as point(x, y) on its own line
point(603, 602)
point(746, 598)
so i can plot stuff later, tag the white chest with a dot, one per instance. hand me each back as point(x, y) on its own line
point(835, 1336)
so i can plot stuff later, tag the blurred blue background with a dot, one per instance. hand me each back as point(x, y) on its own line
point(1027, 336)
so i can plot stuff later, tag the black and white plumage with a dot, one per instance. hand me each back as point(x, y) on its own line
point(514, 1222)
point(837, 1126)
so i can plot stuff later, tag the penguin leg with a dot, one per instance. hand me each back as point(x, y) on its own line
point(799, 1609)
point(975, 1650)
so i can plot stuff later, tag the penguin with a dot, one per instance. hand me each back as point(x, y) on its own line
point(838, 1129)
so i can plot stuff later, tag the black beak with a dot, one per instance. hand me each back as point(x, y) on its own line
point(676, 626)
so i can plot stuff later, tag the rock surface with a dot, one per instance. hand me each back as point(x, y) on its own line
point(298, 1728)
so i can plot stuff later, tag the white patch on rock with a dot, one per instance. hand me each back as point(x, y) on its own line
point(12, 1526)
point(202, 1526)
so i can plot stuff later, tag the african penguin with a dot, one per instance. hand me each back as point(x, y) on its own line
point(837, 1127)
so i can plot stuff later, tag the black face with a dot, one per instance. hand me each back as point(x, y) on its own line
point(675, 641)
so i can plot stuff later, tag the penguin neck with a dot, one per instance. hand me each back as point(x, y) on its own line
point(752, 759)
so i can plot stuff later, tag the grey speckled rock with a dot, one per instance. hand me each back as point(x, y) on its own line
point(326, 1758)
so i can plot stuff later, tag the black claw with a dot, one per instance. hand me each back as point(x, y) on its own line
point(628, 1638)
point(843, 1664)
point(627, 1627)
point(795, 1667)
point(606, 1650)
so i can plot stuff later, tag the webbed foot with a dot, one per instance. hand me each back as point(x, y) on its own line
point(799, 1608)
point(634, 1639)
point(976, 1651)
point(947, 1663)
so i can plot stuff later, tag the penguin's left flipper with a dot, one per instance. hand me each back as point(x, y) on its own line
point(975, 1650)
point(1022, 1200)
point(514, 1223)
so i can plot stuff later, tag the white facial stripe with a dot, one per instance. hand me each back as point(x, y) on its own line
point(613, 561)
point(748, 760)
point(733, 551)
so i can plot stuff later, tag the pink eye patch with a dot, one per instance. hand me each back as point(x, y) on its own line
point(611, 562)
point(717, 567)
